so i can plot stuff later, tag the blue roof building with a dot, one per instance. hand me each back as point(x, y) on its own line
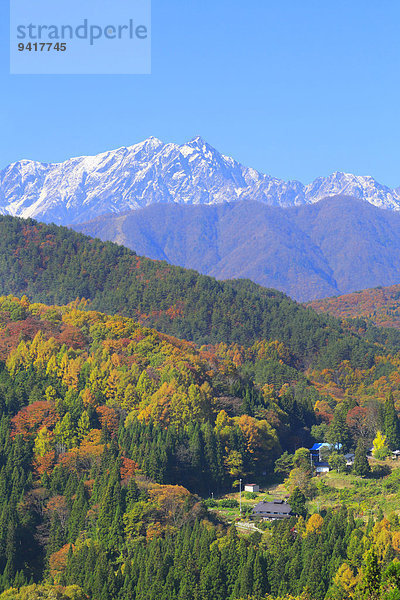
point(315, 450)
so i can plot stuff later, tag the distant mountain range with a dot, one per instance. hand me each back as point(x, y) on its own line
point(194, 207)
point(335, 246)
point(152, 172)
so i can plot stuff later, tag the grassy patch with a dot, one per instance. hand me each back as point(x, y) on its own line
point(364, 495)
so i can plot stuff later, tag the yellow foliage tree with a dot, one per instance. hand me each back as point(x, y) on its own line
point(345, 581)
point(381, 450)
point(223, 424)
point(43, 442)
point(314, 524)
point(396, 541)
point(44, 592)
point(234, 463)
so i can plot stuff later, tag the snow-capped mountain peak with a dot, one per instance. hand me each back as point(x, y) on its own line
point(152, 172)
point(363, 187)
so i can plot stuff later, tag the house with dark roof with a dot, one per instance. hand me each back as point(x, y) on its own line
point(277, 509)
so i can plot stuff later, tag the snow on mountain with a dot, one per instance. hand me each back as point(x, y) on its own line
point(153, 172)
point(363, 188)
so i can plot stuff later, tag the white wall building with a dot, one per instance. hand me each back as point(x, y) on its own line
point(251, 487)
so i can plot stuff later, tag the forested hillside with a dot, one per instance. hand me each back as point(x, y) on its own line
point(116, 438)
point(110, 432)
point(380, 305)
point(56, 266)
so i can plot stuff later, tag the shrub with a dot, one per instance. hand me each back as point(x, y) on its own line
point(229, 503)
point(250, 495)
point(210, 503)
point(379, 471)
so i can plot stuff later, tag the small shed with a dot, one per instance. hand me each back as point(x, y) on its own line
point(322, 467)
point(277, 509)
point(395, 454)
point(251, 487)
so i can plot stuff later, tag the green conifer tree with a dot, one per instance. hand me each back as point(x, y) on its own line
point(297, 502)
point(78, 513)
point(371, 581)
point(361, 465)
point(391, 425)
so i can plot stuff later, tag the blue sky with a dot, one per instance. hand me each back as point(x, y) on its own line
point(294, 88)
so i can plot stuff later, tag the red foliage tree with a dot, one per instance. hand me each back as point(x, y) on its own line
point(357, 420)
point(128, 469)
point(33, 417)
point(108, 419)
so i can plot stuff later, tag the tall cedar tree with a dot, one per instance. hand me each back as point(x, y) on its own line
point(297, 502)
point(361, 465)
point(391, 426)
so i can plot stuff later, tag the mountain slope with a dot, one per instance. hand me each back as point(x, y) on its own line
point(360, 242)
point(152, 172)
point(102, 423)
point(381, 305)
point(334, 246)
point(56, 265)
point(247, 239)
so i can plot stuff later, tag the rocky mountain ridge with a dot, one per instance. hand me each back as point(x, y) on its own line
point(152, 172)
